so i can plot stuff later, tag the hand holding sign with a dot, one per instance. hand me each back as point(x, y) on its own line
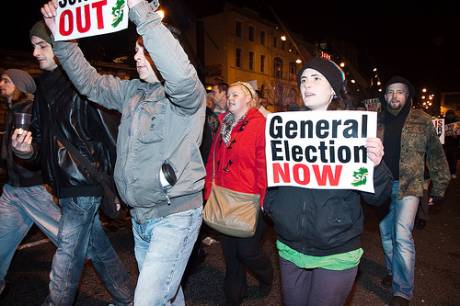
point(49, 15)
point(375, 151)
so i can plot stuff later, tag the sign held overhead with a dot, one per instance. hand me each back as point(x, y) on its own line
point(84, 18)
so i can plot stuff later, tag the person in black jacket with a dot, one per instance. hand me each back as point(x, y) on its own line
point(318, 230)
point(451, 144)
point(25, 199)
point(60, 112)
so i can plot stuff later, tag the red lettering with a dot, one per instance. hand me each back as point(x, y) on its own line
point(100, 18)
point(327, 175)
point(281, 172)
point(87, 18)
point(306, 174)
point(66, 19)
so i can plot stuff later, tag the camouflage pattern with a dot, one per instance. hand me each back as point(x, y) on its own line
point(419, 139)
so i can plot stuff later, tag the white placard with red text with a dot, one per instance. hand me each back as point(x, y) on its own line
point(84, 18)
point(320, 149)
point(438, 124)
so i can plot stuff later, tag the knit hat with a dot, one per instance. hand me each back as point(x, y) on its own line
point(22, 80)
point(329, 69)
point(40, 29)
point(400, 79)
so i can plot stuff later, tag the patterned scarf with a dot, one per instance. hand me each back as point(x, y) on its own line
point(228, 123)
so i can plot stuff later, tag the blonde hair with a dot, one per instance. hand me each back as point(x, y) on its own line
point(248, 89)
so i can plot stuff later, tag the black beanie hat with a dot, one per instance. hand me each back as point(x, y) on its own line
point(400, 79)
point(40, 29)
point(22, 80)
point(329, 69)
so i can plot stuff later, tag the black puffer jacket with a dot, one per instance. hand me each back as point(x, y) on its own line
point(20, 172)
point(60, 111)
point(323, 222)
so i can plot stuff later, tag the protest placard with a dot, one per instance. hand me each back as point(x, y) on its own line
point(320, 149)
point(452, 129)
point(438, 124)
point(77, 19)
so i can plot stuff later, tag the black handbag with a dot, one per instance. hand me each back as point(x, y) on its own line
point(111, 203)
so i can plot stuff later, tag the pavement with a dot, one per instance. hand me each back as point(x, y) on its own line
point(437, 276)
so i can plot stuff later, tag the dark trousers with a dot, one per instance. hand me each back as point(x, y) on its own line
point(315, 287)
point(242, 253)
point(451, 156)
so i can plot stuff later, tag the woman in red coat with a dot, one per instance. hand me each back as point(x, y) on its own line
point(238, 153)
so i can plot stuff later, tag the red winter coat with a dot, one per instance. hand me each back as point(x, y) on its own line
point(240, 166)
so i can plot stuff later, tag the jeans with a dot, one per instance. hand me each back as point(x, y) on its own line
point(398, 244)
point(162, 247)
point(20, 208)
point(80, 236)
point(312, 287)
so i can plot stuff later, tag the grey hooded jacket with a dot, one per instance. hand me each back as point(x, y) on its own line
point(160, 123)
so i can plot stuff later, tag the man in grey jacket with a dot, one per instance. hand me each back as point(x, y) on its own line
point(159, 171)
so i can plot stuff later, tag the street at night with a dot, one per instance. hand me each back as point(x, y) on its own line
point(437, 274)
point(295, 112)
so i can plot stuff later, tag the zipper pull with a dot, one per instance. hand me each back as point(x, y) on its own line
point(167, 198)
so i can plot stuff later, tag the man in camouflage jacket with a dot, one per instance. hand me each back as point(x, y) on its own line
point(409, 139)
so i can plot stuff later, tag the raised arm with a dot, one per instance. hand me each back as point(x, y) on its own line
point(182, 85)
point(107, 90)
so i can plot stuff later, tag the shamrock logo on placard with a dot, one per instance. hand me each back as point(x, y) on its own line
point(360, 177)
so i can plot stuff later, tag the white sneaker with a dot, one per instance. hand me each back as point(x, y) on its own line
point(454, 176)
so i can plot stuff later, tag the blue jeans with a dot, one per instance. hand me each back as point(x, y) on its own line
point(80, 236)
point(398, 244)
point(20, 208)
point(162, 248)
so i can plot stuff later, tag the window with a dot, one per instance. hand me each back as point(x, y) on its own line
point(262, 38)
point(283, 45)
point(262, 63)
point(251, 33)
point(251, 60)
point(278, 67)
point(274, 42)
point(238, 29)
point(238, 57)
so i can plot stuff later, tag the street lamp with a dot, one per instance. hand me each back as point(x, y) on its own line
point(283, 38)
point(342, 64)
point(161, 13)
point(298, 61)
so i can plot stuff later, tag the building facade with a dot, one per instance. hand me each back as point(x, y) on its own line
point(239, 45)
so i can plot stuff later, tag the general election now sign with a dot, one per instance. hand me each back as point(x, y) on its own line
point(320, 149)
point(83, 18)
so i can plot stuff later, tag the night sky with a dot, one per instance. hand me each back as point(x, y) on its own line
point(420, 42)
